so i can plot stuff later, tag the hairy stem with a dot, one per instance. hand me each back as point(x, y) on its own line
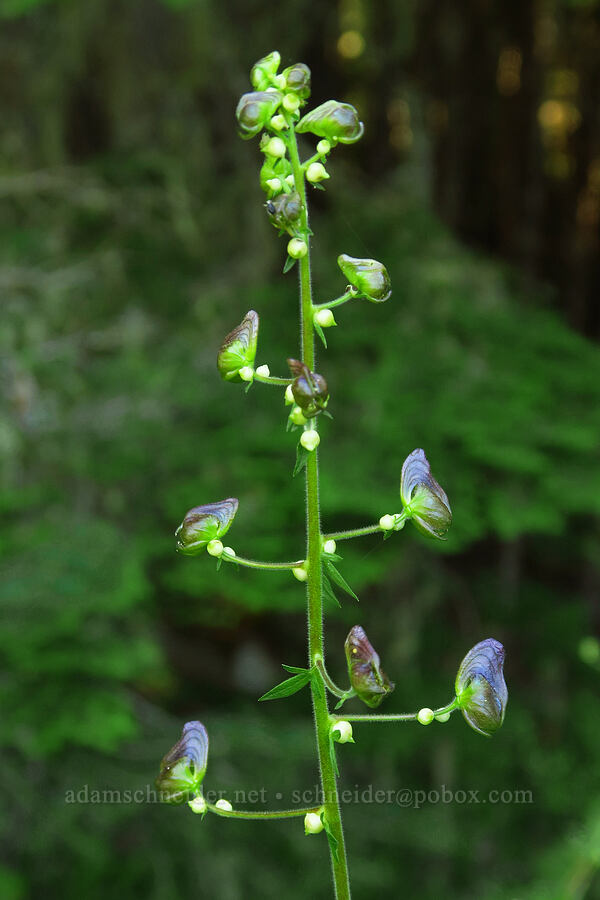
point(396, 717)
point(350, 294)
point(333, 816)
point(258, 564)
point(261, 814)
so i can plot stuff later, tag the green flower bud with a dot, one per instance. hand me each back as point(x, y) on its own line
point(443, 717)
point(387, 522)
point(309, 389)
point(341, 732)
point(278, 122)
point(480, 687)
point(198, 805)
point(214, 548)
point(313, 823)
point(297, 79)
point(264, 71)
point(184, 766)
point(425, 716)
point(425, 502)
point(254, 110)
point(323, 147)
point(366, 675)
point(316, 172)
point(275, 147)
point(334, 121)
point(284, 211)
point(368, 276)
point(225, 805)
point(297, 417)
point(300, 573)
point(310, 439)
point(297, 248)
point(329, 546)
point(324, 318)
point(204, 524)
point(238, 350)
point(288, 397)
point(291, 102)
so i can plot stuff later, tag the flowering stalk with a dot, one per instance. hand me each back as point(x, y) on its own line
point(273, 108)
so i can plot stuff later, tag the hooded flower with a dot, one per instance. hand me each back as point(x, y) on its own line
point(368, 276)
point(364, 668)
point(480, 687)
point(238, 350)
point(184, 766)
point(425, 501)
point(203, 524)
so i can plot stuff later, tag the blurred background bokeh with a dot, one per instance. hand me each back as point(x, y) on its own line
point(133, 237)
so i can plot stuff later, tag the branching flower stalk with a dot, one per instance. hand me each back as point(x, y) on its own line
point(274, 110)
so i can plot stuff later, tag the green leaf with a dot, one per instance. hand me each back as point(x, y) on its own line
point(333, 842)
point(301, 459)
point(339, 579)
point(288, 687)
point(328, 591)
point(297, 670)
point(289, 263)
point(320, 332)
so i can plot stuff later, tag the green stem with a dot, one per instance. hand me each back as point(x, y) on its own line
point(354, 532)
point(350, 294)
point(257, 564)
point(330, 683)
point(396, 717)
point(333, 816)
point(272, 379)
point(261, 814)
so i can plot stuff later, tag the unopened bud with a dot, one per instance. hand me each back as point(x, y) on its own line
point(290, 180)
point(297, 248)
point(288, 396)
point(387, 522)
point(312, 823)
point(246, 373)
point(214, 548)
point(329, 546)
point(316, 172)
point(263, 371)
point(425, 716)
point(278, 122)
point(297, 417)
point(275, 147)
point(323, 147)
point(274, 184)
point(310, 439)
point(300, 573)
point(280, 81)
point(228, 551)
point(342, 732)
point(325, 318)
point(225, 805)
point(443, 717)
point(291, 102)
point(198, 804)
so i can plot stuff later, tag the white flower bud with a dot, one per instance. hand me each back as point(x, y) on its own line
point(329, 546)
point(297, 416)
point(316, 172)
point(425, 716)
point(278, 123)
point(443, 717)
point(310, 439)
point(323, 147)
point(300, 573)
point(274, 183)
point(290, 180)
point(263, 371)
point(297, 248)
point(312, 823)
point(289, 396)
point(225, 805)
point(228, 551)
point(291, 102)
point(214, 548)
point(324, 318)
point(246, 373)
point(198, 804)
point(275, 147)
point(281, 81)
point(342, 732)
point(387, 522)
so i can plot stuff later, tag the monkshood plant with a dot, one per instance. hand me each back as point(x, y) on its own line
point(274, 110)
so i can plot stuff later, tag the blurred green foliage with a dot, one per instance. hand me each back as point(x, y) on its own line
point(121, 270)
